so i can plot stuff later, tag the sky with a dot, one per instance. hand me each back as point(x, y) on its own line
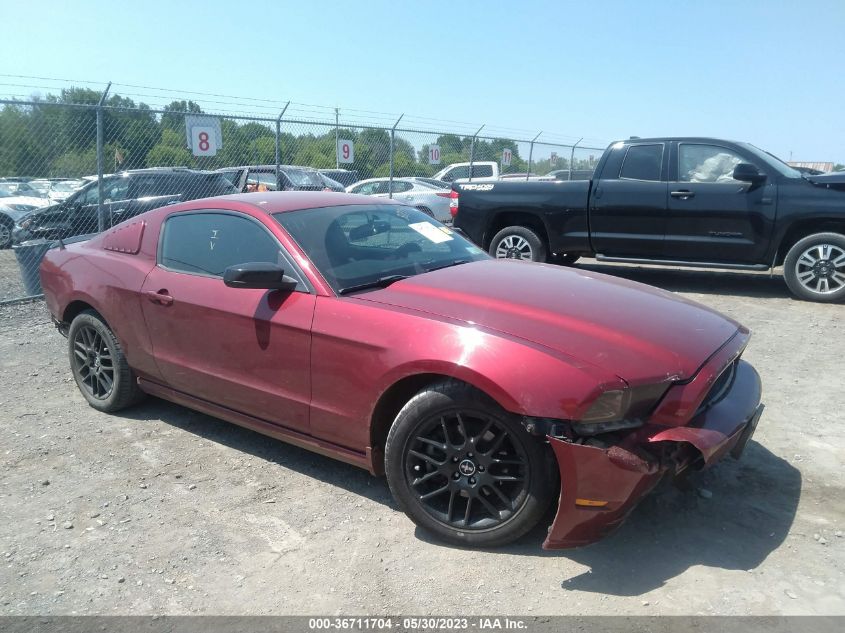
point(768, 72)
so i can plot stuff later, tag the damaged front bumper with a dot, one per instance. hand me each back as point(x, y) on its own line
point(600, 485)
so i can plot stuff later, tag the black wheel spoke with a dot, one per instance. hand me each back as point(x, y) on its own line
point(434, 443)
point(506, 477)
point(426, 477)
point(451, 508)
point(468, 511)
point(426, 458)
point(494, 512)
point(434, 493)
point(497, 443)
point(502, 496)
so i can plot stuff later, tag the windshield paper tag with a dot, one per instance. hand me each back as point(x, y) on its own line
point(431, 232)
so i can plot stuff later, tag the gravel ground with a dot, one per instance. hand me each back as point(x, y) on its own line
point(163, 510)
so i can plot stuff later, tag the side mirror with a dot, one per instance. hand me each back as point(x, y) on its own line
point(258, 275)
point(746, 172)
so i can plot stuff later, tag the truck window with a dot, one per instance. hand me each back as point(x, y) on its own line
point(642, 162)
point(706, 163)
point(482, 171)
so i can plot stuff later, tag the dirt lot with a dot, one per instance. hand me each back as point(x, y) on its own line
point(162, 510)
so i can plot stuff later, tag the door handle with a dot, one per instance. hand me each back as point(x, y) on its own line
point(682, 194)
point(161, 297)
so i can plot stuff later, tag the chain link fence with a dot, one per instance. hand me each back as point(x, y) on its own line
point(69, 169)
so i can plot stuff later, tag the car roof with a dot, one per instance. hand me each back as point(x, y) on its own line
point(684, 139)
point(280, 201)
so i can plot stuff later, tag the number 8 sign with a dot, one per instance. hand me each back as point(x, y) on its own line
point(345, 151)
point(203, 141)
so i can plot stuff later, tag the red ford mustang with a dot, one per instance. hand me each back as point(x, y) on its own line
point(364, 330)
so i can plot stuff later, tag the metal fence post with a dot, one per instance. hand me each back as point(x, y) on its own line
point(101, 216)
point(472, 150)
point(278, 148)
point(572, 158)
point(392, 137)
point(336, 130)
point(531, 153)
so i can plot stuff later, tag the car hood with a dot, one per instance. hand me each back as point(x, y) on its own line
point(639, 333)
point(833, 180)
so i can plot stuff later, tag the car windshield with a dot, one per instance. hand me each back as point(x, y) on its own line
point(774, 161)
point(359, 245)
point(66, 187)
point(303, 177)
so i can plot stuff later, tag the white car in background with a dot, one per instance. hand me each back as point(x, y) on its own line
point(62, 189)
point(421, 193)
point(12, 208)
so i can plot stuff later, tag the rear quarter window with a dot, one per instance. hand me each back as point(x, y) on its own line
point(642, 162)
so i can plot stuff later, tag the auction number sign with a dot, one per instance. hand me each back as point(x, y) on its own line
point(345, 151)
point(433, 154)
point(203, 141)
point(205, 138)
point(507, 155)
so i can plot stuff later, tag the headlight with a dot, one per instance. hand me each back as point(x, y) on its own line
point(620, 409)
point(611, 405)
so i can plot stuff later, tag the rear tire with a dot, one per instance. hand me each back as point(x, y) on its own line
point(465, 470)
point(99, 366)
point(518, 242)
point(814, 268)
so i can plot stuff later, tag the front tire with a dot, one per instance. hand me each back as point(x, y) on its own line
point(465, 470)
point(814, 268)
point(518, 242)
point(99, 366)
point(6, 227)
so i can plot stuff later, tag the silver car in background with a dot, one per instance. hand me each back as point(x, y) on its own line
point(421, 193)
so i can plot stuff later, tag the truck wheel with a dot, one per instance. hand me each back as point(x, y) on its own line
point(814, 268)
point(466, 470)
point(518, 242)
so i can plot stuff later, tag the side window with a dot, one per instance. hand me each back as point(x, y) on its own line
point(482, 171)
point(116, 190)
point(642, 162)
point(368, 189)
point(706, 163)
point(91, 195)
point(208, 243)
point(399, 186)
point(459, 172)
point(145, 187)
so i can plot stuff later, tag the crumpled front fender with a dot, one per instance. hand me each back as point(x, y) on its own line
point(617, 476)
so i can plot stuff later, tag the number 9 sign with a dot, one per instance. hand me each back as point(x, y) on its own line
point(203, 141)
point(345, 151)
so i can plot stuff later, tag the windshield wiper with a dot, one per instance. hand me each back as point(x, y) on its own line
point(457, 262)
point(381, 282)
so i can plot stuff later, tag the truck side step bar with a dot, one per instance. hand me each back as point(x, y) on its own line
point(676, 262)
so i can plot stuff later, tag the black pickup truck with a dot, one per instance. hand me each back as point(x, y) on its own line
point(700, 202)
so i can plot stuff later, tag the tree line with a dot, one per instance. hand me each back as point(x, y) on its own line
point(57, 138)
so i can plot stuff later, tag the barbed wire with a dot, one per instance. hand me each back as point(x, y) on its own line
point(238, 104)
